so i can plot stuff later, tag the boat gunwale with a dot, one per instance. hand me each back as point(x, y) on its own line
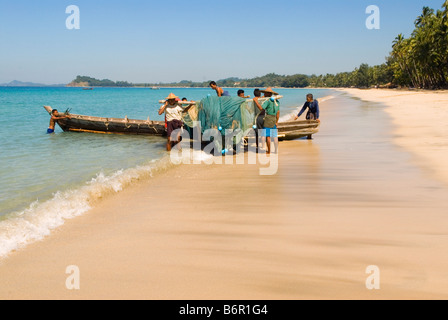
point(287, 128)
point(113, 120)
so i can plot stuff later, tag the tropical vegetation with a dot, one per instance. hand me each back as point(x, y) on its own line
point(421, 60)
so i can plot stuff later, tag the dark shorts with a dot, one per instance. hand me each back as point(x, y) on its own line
point(260, 121)
point(173, 125)
point(311, 116)
point(50, 131)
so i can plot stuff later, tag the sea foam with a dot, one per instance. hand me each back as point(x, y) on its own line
point(17, 230)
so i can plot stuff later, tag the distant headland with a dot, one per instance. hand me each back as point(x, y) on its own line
point(17, 83)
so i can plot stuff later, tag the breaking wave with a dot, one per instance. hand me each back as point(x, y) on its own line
point(19, 229)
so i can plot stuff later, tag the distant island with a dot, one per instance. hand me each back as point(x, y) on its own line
point(362, 77)
point(17, 83)
point(270, 79)
point(84, 81)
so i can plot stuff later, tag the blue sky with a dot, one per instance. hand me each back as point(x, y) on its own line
point(174, 40)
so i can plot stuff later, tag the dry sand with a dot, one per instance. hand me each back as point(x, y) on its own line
point(349, 199)
point(420, 123)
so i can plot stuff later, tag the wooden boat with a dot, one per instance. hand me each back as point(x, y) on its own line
point(81, 123)
point(297, 129)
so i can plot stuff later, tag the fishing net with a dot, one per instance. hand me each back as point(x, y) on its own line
point(191, 116)
point(224, 113)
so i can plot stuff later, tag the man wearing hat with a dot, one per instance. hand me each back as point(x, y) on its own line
point(173, 117)
point(272, 108)
point(269, 93)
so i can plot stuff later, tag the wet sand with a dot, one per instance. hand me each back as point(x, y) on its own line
point(420, 124)
point(349, 199)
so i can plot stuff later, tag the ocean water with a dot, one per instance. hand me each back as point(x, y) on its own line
point(47, 179)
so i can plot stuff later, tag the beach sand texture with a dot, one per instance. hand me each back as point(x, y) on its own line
point(347, 200)
point(420, 124)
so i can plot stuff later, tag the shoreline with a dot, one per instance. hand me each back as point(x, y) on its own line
point(420, 119)
point(340, 203)
point(42, 217)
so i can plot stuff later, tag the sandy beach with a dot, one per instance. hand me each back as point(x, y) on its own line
point(370, 189)
point(420, 124)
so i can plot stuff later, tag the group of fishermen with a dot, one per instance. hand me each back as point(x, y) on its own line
point(266, 122)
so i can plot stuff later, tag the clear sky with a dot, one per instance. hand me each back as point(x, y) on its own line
point(174, 40)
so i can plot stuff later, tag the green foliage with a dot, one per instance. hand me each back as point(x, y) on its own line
point(92, 82)
point(275, 80)
point(362, 77)
point(421, 61)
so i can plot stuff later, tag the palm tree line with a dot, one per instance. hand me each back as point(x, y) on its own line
point(420, 61)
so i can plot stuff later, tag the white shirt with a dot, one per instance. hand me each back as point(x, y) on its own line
point(173, 112)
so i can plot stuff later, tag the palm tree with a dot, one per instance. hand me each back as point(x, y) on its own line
point(422, 20)
point(400, 55)
point(424, 56)
point(444, 39)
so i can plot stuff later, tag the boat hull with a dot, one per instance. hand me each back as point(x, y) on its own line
point(113, 126)
point(79, 123)
point(297, 129)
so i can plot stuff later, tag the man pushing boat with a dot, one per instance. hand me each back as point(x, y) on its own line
point(313, 109)
point(54, 119)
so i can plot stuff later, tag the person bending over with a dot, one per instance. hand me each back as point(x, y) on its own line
point(55, 117)
point(313, 109)
point(219, 91)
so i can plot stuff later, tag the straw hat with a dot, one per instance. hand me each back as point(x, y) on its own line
point(269, 90)
point(172, 96)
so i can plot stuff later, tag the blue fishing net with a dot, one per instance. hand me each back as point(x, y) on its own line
point(222, 114)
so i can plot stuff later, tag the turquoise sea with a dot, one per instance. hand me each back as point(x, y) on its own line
point(46, 179)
